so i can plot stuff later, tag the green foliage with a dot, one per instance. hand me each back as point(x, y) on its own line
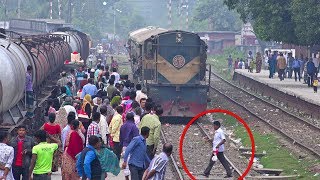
point(291, 21)
point(306, 17)
point(217, 15)
point(220, 63)
point(89, 16)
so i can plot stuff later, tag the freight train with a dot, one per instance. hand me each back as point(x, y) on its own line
point(46, 54)
point(171, 64)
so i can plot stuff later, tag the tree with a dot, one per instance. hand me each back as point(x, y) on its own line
point(217, 15)
point(306, 16)
point(291, 21)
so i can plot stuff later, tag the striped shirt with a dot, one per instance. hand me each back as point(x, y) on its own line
point(159, 164)
point(93, 129)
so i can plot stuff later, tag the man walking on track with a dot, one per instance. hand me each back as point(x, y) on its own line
point(218, 148)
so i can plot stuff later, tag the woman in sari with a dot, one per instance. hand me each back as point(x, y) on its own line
point(84, 113)
point(61, 117)
point(54, 130)
point(74, 145)
point(87, 105)
point(258, 62)
point(108, 160)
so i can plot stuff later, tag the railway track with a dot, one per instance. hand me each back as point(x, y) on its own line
point(236, 172)
point(173, 172)
point(299, 131)
point(197, 152)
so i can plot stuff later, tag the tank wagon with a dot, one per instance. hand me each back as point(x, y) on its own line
point(46, 54)
point(171, 64)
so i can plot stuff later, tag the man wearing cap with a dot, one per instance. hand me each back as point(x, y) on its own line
point(218, 147)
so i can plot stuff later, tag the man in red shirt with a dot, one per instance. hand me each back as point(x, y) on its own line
point(22, 145)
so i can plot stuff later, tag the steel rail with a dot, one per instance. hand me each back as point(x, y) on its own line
point(262, 119)
point(174, 163)
point(267, 102)
point(204, 132)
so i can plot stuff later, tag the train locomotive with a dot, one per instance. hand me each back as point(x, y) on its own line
point(171, 64)
point(46, 53)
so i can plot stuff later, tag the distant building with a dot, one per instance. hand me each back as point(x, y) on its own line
point(4, 24)
point(217, 41)
point(36, 26)
point(247, 40)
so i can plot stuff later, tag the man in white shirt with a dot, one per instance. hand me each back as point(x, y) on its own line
point(218, 148)
point(69, 107)
point(116, 75)
point(65, 131)
point(140, 93)
point(315, 60)
point(6, 157)
point(103, 124)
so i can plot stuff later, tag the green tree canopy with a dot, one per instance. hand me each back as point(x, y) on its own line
point(215, 14)
point(89, 16)
point(289, 21)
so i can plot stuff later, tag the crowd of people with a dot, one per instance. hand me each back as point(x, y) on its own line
point(94, 119)
point(284, 64)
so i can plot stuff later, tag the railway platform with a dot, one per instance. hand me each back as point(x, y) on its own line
point(290, 92)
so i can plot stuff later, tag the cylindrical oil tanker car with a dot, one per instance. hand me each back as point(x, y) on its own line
point(45, 53)
point(172, 65)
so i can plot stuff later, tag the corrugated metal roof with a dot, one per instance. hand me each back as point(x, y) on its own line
point(143, 34)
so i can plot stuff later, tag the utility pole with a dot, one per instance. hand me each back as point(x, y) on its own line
point(114, 23)
point(19, 9)
point(51, 9)
point(180, 14)
point(187, 14)
point(59, 8)
point(69, 18)
point(170, 14)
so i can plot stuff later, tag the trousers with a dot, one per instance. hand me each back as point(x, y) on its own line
point(19, 171)
point(117, 149)
point(136, 172)
point(41, 177)
point(222, 160)
point(281, 74)
point(297, 71)
point(310, 79)
point(150, 151)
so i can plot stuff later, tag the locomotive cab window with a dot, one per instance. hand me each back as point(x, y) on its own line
point(149, 50)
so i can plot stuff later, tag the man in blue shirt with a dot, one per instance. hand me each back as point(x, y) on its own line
point(88, 164)
point(138, 155)
point(89, 88)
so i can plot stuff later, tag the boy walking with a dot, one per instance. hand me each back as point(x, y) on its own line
point(42, 155)
point(22, 145)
